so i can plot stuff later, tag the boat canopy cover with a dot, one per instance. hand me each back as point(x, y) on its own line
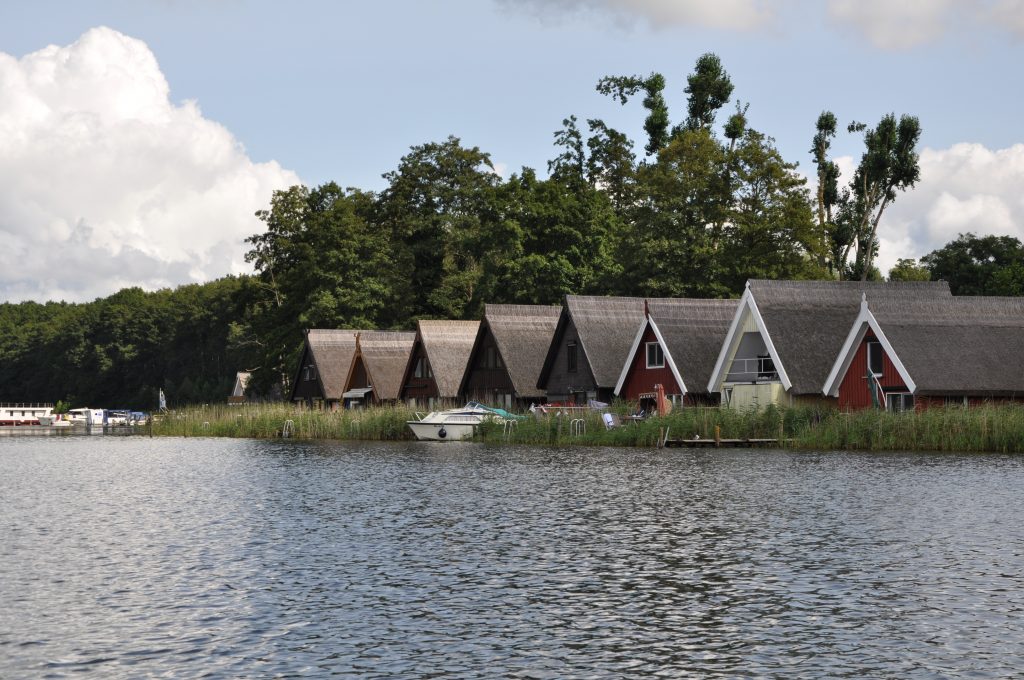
point(496, 411)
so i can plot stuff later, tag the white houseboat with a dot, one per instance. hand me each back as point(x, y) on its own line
point(23, 414)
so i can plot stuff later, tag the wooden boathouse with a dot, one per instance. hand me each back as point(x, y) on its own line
point(508, 354)
point(437, 363)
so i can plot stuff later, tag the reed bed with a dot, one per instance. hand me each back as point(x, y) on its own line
point(985, 428)
point(955, 428)
point(276, 420)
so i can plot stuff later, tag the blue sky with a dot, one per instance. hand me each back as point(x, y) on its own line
point(318, 91)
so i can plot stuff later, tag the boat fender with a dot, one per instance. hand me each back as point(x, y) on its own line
point(442, 433)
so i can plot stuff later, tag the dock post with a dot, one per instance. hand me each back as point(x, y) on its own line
point(661, 437)
point(718, 436)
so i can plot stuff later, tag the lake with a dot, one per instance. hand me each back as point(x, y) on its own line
point(135, 557)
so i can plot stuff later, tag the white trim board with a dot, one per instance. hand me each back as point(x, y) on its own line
point(636, 347)
point(747, 303)
point(865, 319)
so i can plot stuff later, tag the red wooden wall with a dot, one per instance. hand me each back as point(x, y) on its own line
point(854, 390)
point(641, 379)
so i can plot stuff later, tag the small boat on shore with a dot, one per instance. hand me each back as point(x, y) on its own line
point(455, 424)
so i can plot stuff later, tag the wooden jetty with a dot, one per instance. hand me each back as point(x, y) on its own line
point(720, 443)
point(717, 441)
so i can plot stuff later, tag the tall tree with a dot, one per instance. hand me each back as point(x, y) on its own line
point(769, 229)
point(611, 165)
point(438, 205)
point(656, 124)
point(708, 88)
point(828, 189)
point(670, 247)
point(889, 164)
point(322, 263)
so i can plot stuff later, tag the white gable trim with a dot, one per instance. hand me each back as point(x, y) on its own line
point(668, 357)
point(747, 302)
point(629, 357)
point(860, 327)
point(718, 375)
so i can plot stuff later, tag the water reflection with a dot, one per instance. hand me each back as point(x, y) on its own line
point(136, 556)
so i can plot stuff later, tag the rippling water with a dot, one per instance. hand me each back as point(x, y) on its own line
point(129, 557)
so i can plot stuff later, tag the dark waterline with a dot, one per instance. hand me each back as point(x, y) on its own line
point(130, 556)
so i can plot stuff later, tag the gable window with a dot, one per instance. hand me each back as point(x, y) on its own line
point(309, 372)
point(655, 355)
point(875, 357)
point(489, 357)
point(423, 368)
point(570, 357)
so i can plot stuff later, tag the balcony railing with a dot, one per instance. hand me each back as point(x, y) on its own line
point(760, 369)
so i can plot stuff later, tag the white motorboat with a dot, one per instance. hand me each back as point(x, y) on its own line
point(86, 416)
point(54, 420)
point(454, 424)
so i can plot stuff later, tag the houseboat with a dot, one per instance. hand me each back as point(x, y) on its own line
point(22, 414)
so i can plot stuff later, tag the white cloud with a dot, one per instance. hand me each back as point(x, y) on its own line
point(893, 24)
point(965, 188)
point(105, 183)
point(1008, 14)
point(905, 24)
point(722, 14)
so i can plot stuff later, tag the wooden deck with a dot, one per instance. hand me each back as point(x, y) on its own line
point(721, 443)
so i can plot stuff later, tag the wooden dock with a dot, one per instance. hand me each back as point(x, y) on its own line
point(723, 443)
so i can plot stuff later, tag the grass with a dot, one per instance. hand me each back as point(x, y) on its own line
point(985, 428)
point(272, 420)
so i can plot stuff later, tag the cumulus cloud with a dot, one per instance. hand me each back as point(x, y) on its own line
point(893, 24)
point(1009, 14)
point(965, 188)
point(723, 14)
point(905, 24)
point(105, 183)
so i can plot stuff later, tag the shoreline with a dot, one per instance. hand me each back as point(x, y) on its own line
point(988, 429)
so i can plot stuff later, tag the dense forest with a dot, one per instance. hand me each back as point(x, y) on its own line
point(705, 203)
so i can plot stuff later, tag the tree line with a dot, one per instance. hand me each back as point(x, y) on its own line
point(706, 203)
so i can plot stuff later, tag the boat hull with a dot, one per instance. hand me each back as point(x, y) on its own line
point(441, 432)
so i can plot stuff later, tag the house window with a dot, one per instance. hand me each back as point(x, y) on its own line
point(570, 356)
point(898, 402)
point(489, 357)
point(309, 373)
point(655, 355)
point(875, 358)
point(423, 368)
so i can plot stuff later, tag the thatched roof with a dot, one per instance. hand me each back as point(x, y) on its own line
point(808, 321)
point(522, 334)
point(448, 345)
point(332, 352)
point(694, 331)
point(606, 327)
point(960, 345)
point(385, 355)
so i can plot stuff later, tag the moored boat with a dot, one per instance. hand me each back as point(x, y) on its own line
point(455, 424)
point(16, 415)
